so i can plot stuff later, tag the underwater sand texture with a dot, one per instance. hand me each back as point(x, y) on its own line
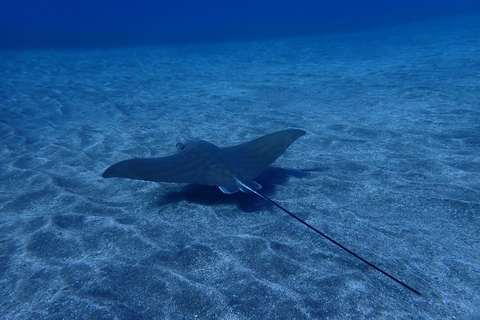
point(390, 166)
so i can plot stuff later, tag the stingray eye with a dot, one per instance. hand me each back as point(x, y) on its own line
point(180, 146)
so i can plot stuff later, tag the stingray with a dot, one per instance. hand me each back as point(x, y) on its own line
point(231, 169)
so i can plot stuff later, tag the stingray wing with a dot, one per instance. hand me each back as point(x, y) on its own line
point(251, 158)
point(198, 162)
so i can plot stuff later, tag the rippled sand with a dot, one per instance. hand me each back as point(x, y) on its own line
point(390, 167)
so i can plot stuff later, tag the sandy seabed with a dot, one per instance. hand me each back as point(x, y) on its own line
point(390, 167)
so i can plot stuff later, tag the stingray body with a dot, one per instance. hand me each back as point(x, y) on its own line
point(231, 169)
point(201, 162)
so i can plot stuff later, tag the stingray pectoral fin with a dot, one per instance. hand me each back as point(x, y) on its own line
point(141, 169)
point(175, 168)
point(251, 158)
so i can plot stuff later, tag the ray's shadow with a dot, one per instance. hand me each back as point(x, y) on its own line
point(211, 196)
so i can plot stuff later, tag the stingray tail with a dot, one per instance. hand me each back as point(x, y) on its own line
point(261, 195)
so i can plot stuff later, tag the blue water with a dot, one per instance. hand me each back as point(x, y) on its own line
point(76, 23)
point(390, 167)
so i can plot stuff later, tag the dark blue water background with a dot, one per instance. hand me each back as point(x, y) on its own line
point(26, 23)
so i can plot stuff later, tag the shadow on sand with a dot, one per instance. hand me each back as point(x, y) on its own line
point(209, 195)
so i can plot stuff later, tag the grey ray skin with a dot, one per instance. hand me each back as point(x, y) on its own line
point(201, 162)
point(231, 169)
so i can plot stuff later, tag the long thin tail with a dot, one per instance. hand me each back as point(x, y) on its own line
point(331, 240)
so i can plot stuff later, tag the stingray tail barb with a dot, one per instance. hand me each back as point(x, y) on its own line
point(243, 187)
